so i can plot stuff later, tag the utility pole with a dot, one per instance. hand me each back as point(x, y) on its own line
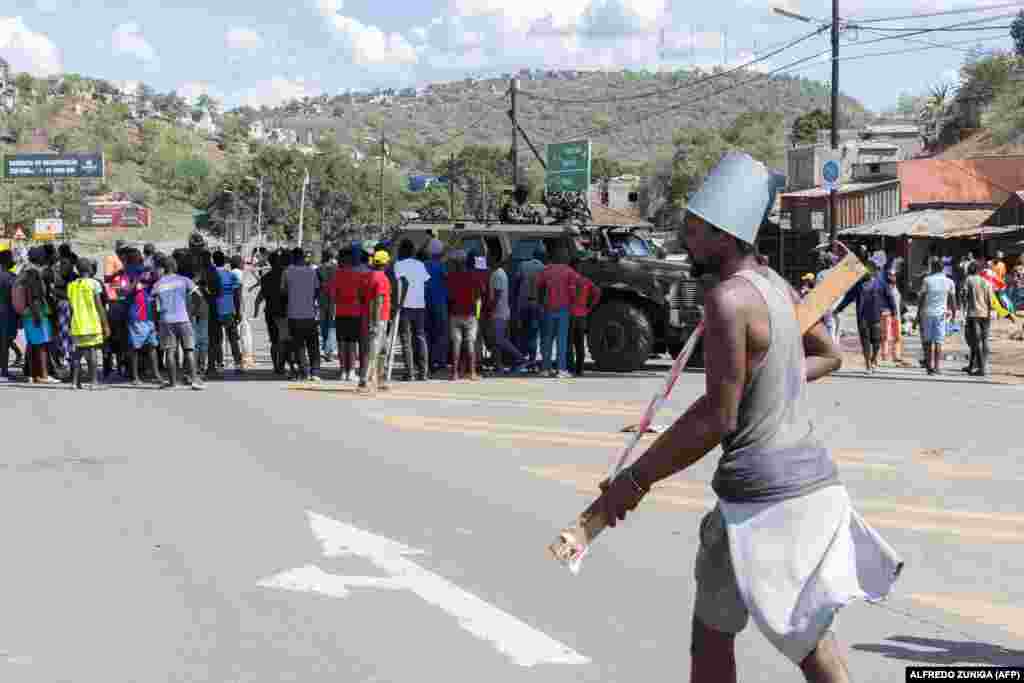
point(834, 27)
point(382, 151)
point(259, 212)
point(451, 184)
point(515, 136)
point(835, 118)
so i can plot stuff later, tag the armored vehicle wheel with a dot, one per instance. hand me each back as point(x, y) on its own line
point(621, 337)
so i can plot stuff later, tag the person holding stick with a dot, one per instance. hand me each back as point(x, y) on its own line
point(777, 484)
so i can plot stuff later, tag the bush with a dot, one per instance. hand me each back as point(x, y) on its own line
point(1006, 119)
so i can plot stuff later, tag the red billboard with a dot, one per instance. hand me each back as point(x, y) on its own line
point(116, 215)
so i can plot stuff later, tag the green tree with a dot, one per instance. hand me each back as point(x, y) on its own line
point(1017, 33)
point(806, 126)
point(983, 76)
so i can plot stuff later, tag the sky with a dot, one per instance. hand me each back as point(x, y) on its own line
point(259, 53)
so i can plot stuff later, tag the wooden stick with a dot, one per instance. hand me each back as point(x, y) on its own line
point(574, 541)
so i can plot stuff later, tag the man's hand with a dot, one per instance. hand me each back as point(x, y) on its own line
point(619, 497)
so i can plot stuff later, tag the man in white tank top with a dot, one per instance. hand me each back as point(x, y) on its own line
point(776, 482)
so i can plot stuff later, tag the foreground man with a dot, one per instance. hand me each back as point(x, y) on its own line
point(783, 545)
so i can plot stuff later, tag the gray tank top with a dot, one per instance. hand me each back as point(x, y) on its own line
point(774, 454)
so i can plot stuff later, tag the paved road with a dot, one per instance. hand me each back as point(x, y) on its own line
point(181, 536)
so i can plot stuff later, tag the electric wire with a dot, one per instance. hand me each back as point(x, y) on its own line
point(965, 10)
point(683, 86)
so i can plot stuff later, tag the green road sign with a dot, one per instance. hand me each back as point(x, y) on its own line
point(568, 167)
point(52, 166)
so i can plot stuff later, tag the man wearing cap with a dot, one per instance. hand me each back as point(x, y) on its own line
point(783, 546)
point(377, 309)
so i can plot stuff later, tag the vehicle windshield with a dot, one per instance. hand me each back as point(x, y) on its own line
point(630, 245)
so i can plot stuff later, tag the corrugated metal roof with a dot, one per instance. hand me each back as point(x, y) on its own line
point(941, 223)
point(988, 180)
point(846, 188)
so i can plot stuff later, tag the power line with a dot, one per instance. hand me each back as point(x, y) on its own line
point(966, 10)
point(666, 91)
point(598, 132)
point(897, 52)
point(978, 28)
point(787, 67)
point(950, 46)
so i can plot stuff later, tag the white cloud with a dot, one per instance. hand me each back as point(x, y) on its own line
point(275, 91)
point(28, 51)
point(47, 6)
point(243, 39)
point(327, 8)
point(563, 14)
point(369, 45)
point(128, 40)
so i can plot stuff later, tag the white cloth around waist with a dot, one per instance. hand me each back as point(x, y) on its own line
point(798, 561)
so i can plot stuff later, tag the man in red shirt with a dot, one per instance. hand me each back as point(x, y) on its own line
point(556, 287)
point(585, 299)
point(465, 292)
point(345, 289)
point(377, 311)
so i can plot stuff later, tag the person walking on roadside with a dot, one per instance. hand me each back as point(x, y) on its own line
point(892, 322)
point(377, 312)
point(328, 325)
point(465, 295)
point(228, 316)
point(555, 287)
point(978, 318)
point(585, 299)
point(784, 546)
point(872, 297)
point(301, 284)
point(89, 324)
point(936, 306)
point(413, 319)
point(437, 306)
point(174, 299)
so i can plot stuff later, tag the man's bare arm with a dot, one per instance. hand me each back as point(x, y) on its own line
point(713, 416)
point(822, 355)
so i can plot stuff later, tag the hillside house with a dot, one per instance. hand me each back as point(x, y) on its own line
point(257, 131)
point(204, 123)
point(617, 194)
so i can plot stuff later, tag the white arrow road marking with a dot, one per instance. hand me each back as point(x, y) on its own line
point(523, 644)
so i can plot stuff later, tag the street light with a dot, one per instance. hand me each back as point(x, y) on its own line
point(834, 25)
point(302, 201)
point(383, 153)
point(259, 209)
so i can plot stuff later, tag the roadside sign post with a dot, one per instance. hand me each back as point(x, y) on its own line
point(569, 168)
point(830, 174)
point(89, 166)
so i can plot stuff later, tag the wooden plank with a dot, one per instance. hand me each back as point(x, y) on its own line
point(574, 541)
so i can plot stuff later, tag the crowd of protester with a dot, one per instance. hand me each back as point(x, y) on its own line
point(140, 316)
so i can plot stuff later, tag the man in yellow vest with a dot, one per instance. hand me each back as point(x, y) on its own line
point(89, 325)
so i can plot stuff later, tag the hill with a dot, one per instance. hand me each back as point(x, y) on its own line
point(134, 165)
point(629, 128)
